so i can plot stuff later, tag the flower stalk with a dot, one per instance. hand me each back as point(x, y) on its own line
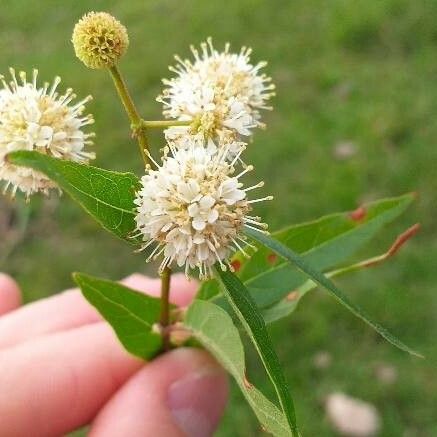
point(164, 123)
point(165, 306)
point(131, 111)
point(140, 131)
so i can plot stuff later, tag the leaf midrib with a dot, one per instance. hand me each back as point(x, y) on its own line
point(233, 369)
point(281, 265)
point(127, 211)
point(119, 305)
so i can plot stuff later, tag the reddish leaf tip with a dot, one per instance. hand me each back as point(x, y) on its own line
point(403, 238)
point(398, 243)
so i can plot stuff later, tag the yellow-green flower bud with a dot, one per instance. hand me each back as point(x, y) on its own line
point(99, 40)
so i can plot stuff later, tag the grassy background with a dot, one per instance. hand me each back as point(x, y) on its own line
point(361, 72)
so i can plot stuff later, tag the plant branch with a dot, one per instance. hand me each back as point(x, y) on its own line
point(139, 128)
point(165, 305)
point(131, 111)
point(164, 123)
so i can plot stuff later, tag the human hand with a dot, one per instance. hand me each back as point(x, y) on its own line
point(62, 367)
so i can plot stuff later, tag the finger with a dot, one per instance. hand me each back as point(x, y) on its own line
point(59, 382)
point(182, 393)
point(63, 311)
point(10, 294)
point(69, 310)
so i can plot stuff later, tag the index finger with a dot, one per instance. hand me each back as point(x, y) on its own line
point(69, 309)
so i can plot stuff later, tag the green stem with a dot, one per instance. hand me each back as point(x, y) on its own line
point(132, 111)
point(140, 128)
point(164, 123)
point(165, 305)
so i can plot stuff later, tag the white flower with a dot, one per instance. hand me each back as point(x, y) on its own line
point(193, 208)
point(33, 118)
point(180, 138)
point(220, 92)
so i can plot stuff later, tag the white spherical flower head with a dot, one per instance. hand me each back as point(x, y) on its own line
point(179, 138)
point(40, 119)
point(220, 92)
point(192, 210)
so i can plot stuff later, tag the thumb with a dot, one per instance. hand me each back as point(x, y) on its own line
point(181, 393)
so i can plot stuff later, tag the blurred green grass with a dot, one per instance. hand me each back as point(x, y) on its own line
point(357, 72)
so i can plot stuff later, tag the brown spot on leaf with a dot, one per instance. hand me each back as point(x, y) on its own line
point(359, 214)
point(294, 295)
point(272, 258)
point(236, 265)
point(246, 383)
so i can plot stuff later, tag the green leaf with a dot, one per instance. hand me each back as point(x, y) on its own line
point(324, 243)
point(214, 329)
point(316, 238)
point(130, 313)
point(209, 290)
point(244, 306)
point(108, 196)
point(326, 283)
point(286, 306)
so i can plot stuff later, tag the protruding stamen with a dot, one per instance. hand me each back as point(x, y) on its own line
point(240, 248)
point(55, 84)
point(154, 251)
point(146, 151)
point(261, 199)
point(246, 170)
point(258, 185)
point(237, 156)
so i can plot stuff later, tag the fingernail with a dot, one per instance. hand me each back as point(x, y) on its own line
point(197, 401)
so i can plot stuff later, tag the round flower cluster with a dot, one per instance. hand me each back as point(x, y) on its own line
point(33, 118)
point(192, 209)
point(99, 40)
point(220, 95)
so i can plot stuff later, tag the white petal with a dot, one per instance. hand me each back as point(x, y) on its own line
point(198, 238)
point(206, 202)
point(202, 252)
point(213, 216)
point(193, 210)
point(198, 224)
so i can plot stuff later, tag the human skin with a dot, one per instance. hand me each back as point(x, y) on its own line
point(62, 367)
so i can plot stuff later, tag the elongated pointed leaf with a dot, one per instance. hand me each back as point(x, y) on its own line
point(108, 196)
point(331, 239)
point(214, 329)
point(244, 306)
point(286, 306)
point(130, 313)
point(326, 283)
point(324, 243)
